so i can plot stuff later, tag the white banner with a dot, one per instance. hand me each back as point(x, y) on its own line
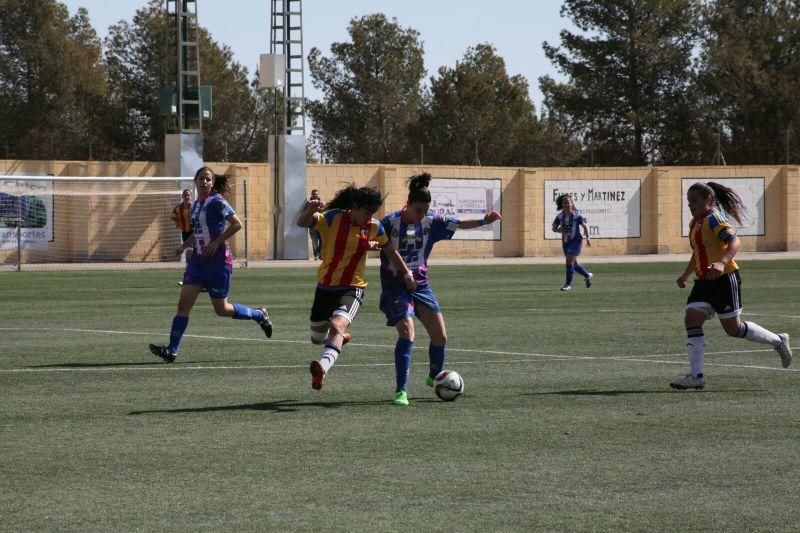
point(33, 202)
point(751, 191)
point(612, 208)
point(468, 199)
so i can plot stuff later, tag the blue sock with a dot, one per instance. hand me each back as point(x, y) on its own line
point(436, 356)
point(179, 324)
point(402, 362)
point(241, 312)
point(580, 270)
point(570, 272)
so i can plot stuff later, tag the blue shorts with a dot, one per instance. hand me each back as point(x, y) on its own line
point(572, 247)
point(398, 303)
point(215, 278)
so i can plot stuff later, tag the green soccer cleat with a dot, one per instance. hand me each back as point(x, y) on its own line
point(401, 398)
point(429, 381)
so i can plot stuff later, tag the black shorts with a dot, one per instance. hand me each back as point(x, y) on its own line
point(185, 235)
point(723, 295)
point(329, 303)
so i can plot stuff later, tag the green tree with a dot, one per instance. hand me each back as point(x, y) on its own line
point(136, 59)
point(751, 76)
point(136, 62)
point(52, 81)
point(630, 78)
point(372, 93)
point(476, 112)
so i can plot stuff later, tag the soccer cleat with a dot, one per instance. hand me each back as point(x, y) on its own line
point(566, 288)
point(429, 381)
point(317, 375)
point(401, 398)
point(784, 350)
point(589, 280)
point(163, 352)
point(180, 284)
point(689, 382)
point(265, 323)
point(345, 338)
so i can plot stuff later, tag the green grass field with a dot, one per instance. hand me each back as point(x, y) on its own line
point(568, 422)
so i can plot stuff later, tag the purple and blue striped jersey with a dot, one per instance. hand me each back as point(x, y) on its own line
point(209, 218)
point(414, 242)
point(569, 225)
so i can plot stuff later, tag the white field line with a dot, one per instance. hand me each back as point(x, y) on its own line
point(528, 357)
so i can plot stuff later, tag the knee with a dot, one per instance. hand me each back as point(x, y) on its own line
point(318, 337)
point(405, 330)
point(221, 311)
point(440, 339)
point(338, 327)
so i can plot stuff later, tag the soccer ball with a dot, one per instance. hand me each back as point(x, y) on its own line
point(448, 385)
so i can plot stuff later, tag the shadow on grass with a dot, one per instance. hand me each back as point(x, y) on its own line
point(282, 406)
point(102, 365)
point(528, 289)
point(626, 392)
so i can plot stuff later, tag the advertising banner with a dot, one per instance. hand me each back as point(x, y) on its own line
point(468, 199)
point(32, 203)
point(612, 208)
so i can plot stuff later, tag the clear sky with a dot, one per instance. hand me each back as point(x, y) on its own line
point(447, 28)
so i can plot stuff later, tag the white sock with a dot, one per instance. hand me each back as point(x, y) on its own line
point(754, 332)
point(328, 358)
point(696, 346)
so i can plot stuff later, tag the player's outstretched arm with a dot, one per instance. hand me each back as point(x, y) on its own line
point(488, 218)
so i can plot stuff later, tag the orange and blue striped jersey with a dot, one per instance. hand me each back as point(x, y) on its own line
point(709, 236)
point(181, 215)
point(344, 248)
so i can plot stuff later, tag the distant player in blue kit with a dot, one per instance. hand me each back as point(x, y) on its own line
point(211, 265)
point(568, 223)
point(413, 231)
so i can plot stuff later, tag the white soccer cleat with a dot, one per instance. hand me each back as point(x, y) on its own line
point(689, 381)
point(566, 288)
point(784, 350)
point(589, 280)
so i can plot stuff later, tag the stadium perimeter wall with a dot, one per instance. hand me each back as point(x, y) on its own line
point(526, 195)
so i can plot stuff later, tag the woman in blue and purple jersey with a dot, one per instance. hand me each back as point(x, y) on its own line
point(210, 267)
point(413, 231)
point(569, 222)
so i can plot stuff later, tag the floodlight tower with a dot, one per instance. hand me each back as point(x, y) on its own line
point(184, 102)
point(282, 72)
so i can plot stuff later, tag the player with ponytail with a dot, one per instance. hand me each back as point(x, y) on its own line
point(210, 266)
point(717, 285)
point(413, 231)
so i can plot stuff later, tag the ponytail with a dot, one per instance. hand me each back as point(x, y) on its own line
point(418, 189)
point(726, 198)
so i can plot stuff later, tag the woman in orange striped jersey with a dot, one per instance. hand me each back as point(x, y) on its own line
point(348, 231)
point(717, 285)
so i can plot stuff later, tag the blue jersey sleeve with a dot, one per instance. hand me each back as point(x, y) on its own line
point(223, 207)
point(443, 228)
